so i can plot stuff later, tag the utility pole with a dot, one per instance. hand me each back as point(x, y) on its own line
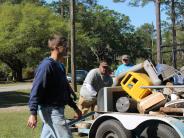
point(72, 25)
point(173, 19)
point(158, 27)
point(152, 41)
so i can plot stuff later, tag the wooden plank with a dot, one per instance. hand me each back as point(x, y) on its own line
point(150, 101)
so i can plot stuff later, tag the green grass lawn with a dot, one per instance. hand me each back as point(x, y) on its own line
point(13, 122)
point(13, 125)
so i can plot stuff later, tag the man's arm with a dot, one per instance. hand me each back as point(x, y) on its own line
point(32, 121)
point(38, 84)
point(72, 92)
point(88, 82)
point(36, 89)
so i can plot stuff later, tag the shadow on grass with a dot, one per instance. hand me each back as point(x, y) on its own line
point(13, 98)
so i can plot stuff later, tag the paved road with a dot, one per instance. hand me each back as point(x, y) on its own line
point(20, 86)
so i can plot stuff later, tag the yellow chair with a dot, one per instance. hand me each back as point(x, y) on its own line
point(131, 84)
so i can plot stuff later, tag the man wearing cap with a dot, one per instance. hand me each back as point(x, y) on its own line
point(95, 80)
point(124, 66)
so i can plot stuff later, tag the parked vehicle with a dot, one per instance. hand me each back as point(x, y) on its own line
point(80, 76)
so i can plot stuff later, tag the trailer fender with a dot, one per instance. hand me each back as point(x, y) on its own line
point(132, 121)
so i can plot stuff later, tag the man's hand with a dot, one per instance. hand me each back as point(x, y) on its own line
point(32, 121)
point(78, 113)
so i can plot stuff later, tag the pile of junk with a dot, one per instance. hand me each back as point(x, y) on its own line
point(143, 89)
point(151, 89)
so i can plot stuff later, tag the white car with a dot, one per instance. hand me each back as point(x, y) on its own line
point(80, 76)
point(69, 77)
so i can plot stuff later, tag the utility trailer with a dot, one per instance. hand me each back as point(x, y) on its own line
point(116, 114)
point(128, 125)
point(113, 124)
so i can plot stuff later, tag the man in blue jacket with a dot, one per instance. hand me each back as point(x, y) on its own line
point(124, 66)
point(51, 92)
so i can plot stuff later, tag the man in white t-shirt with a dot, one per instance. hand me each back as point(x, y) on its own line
point(95, 80)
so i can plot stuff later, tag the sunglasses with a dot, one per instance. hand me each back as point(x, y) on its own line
point(125, 59)
point(105, 67)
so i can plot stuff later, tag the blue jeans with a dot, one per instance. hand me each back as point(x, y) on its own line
point(54, 123)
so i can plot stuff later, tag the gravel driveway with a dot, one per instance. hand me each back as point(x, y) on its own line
point(20, 86)
point(15, 87)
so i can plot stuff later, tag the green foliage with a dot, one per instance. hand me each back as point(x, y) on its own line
point(146, 33)
point(178, 8)
point(5, 71)
point(62, 7)
point(24, 31)
point(28, 73)
point(167, 35)
point(23, 1)
point(136, 2)
point(100, 32)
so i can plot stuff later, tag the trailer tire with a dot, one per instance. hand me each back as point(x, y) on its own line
point(112, 129)
point(158, 130)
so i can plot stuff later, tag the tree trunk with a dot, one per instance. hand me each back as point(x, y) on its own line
point(15, 64)
point(17, 71)
point(173, 19)
point(157, 4)
point(18, 76)
point(61, 8)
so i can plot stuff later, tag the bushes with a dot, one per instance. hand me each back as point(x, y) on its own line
point(28, 73)
point(3, 76)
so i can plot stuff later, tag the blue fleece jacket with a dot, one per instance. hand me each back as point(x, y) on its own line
point(122, 68)
point(50, 86)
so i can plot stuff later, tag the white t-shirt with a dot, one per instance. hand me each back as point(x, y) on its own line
point(93, 82)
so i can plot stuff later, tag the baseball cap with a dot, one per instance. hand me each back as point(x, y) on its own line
point(125, 57)
point(104, 64)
